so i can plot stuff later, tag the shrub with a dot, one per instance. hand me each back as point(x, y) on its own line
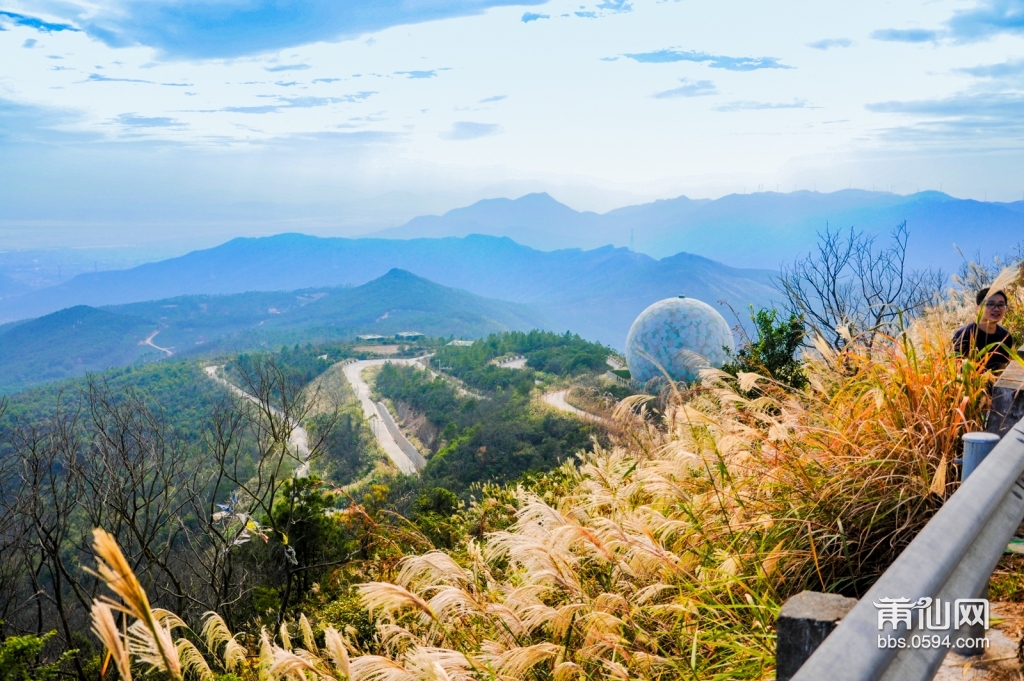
point(773, 352)
point(20, 659)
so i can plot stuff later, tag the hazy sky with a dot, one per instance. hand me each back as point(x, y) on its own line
point(153, 119)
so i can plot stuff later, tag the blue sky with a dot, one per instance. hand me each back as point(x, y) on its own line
point(157, 119)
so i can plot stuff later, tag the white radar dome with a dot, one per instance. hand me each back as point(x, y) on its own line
point(682, 335)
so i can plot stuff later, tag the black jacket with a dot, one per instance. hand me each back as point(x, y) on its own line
point(970, 335)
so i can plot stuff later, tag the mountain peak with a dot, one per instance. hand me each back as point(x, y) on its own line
point(398, 274)
point(538, 198)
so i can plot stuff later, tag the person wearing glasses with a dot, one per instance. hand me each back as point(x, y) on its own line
point(986, 335)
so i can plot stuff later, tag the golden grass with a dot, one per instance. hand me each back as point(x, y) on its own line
point(148, 639)
point(671, 552)
point(105, 628)
point(668, 554)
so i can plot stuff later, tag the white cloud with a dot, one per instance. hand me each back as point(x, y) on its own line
point(571, 116)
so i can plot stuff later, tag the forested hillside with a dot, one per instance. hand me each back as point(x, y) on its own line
point(480, 423)
point(654, 542)
point(558, 354)
point(211, 501)
point(80, 339)
point(69, 343)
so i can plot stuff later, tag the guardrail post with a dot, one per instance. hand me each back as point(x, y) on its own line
point(976, 448)
point(805, 620)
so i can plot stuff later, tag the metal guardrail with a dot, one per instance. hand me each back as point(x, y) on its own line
point(951, 558)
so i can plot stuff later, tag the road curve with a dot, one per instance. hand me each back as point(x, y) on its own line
point(557, 400)
point(150, 343)
point(299, 438)
point(404, 456)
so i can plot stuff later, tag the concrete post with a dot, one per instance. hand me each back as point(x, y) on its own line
point(976, 448)
point(804, 622)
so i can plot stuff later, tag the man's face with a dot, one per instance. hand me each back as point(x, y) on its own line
point(994, 309)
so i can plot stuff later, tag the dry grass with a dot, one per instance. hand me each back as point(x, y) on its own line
point(147, 641)
point(667, 555)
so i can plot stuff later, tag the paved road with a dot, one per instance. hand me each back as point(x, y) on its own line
point(299, 438)
point(403, 458)
point(150, 343)
point(557, 400)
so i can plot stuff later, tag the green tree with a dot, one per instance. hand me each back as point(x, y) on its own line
point(20, 659)
point(308, 538)
point(774, 352)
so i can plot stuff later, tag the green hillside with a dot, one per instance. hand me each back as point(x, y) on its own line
point(81, 339)
point(68, 343)
point(179, 392)
point(397, 301)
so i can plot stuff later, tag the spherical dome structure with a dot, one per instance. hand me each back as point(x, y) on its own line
point(682, 335)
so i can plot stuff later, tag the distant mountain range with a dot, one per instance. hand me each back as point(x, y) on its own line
point(760, 230)
point(562, 275)
point(82, 338)
point(595, 293)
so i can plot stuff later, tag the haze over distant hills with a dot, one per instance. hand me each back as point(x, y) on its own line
point(595, 293)
point(11, 287)
point(292, 287)
point(761, 230)
point(82, 338)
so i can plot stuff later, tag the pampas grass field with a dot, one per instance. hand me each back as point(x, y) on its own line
point(663, 556)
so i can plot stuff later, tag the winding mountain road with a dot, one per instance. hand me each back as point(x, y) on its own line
point(405, 457)
point(299, 438)
point(557, 400)
point(398, 448)
point(150, 343)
